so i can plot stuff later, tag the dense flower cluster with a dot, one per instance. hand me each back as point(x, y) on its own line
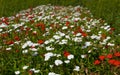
point(52, 37)
point(111, 59)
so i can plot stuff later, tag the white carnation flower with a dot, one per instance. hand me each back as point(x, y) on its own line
point(56, 37)
point(25, 67)
point(67, 61)
point(70, 56)
point(58, 62)
point(77, 68)
point(48, 56)
point(49, 48)
point(17, 72)
point(64, 27)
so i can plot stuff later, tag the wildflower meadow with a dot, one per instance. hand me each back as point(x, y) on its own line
point(58, 40)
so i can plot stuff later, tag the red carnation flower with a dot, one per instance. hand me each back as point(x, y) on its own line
point(16, 38)
point(67, 23)
point(66, 53)
point(40, 41)
point(109, 56)
point(84, 34)
point(10, 42)
point(96, 62)
point(117, 54)
point(101, 57)
point(117, 63)
point(111, 61)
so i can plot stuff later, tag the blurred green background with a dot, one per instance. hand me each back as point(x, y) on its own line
point(108, 10)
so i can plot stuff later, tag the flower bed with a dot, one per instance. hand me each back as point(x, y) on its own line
point(56, 40)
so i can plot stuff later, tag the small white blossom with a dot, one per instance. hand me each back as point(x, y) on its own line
point(8, 48)
point(46, 42)
point(49, 48)
point(25, 51)
point(56, 37)
point(67, 61)
point(63, 42)
point(34, 49)
point(77, 68)
point(70, 56)
point(51, 66)
point(67, 37)
point(1, 30)
point(48, 56)
point(110, 44)
point(36, 71)
point(78, 34)
point(77, 39)
point(3, 25)
point(58, 62)
point(83, 56)
point(64, 27)
point(25, 67)
point(52, 73)
point(17, 72)
point(87, 43)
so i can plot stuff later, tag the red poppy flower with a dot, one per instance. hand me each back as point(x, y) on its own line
point(66, 53)
point(109, 56)
point(96, 62)
point(40, 41)
point(102, 57)
point(84, 34)
point(117, 54)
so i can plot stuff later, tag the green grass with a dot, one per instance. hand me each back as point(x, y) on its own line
point(14, 59)
point(8, 8)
